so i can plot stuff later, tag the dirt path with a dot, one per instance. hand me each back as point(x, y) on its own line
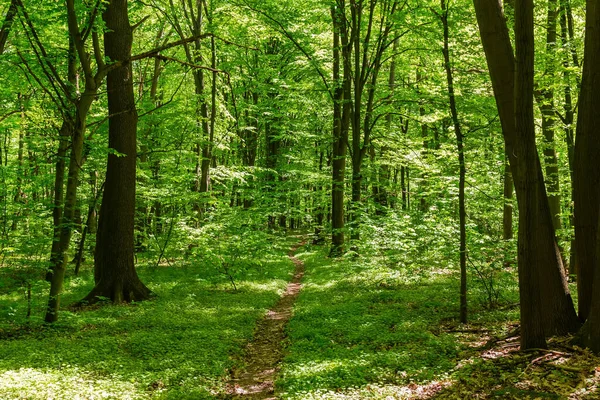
point(265, 352)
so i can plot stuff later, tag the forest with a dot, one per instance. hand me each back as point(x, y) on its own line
point(300, 199)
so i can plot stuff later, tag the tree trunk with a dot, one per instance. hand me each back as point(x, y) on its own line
point(532, 327)
point(59, 262)
point(64, 134)
point(507, 219)
point(546, 103)
point(569, 118)
point(114, 271)
point(423, 206)
point(507, 215)
point(462, 214)
point(341, 124)
point(556, 305)
point(586, 183)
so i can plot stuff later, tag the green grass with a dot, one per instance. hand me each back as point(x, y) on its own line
point(362, 328)
point(179, 346)
point(359, 327)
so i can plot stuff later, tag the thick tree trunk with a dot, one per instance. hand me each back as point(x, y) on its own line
point(556, 304)
point(114, 271)
point(532, 327)
point(586, 183)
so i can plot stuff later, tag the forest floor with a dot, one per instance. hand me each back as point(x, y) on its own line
point(255, 376)
point(361, 328)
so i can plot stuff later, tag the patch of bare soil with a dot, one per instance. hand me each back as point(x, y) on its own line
point(264, 354)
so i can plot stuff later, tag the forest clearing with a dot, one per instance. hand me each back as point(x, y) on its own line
point(308, 199)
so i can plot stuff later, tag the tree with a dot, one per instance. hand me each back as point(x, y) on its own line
point(539, 256)
point(194, 15)
point(586, 176)
point(341, 123)
point(114, 270)
point(532, 328)
point(75, 108)
point(587, 184)
point(461, 163)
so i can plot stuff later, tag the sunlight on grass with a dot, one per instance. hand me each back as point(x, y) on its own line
point(272, 286)
point(180, 345)
point(375, 391)
point(358, 325)
point(65, 383)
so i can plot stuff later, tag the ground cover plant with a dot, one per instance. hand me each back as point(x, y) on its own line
point(169, 170)
point(363, 330)
point(180, 345)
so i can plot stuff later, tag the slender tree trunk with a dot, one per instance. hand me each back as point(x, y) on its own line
point(59, 264)
point(423, 206)
point(341, 123)
point(7, 23)
point(114, 270)
point(65, 133)
point(507, 217)
point(569, 119)
point(546, 103)
point(90, 225)
point(462, 214)
point(19, 195)
point(208, 146)
point(384, 169)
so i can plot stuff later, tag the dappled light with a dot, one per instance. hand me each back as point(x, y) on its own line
point(299, 199)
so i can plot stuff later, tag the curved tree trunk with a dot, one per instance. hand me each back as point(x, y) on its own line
point(586, 182)
point(557, 308)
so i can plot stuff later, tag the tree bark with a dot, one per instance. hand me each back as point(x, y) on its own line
point(341, 124)
point(586, 183)
point(532, 328)
point(114, 273)
point(558, 313)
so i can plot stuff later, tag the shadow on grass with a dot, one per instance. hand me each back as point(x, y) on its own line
point(179, 345)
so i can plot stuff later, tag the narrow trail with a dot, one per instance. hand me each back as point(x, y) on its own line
point(265, 352)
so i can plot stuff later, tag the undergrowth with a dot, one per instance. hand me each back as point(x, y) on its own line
point(179, 346)
point(363, 329)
